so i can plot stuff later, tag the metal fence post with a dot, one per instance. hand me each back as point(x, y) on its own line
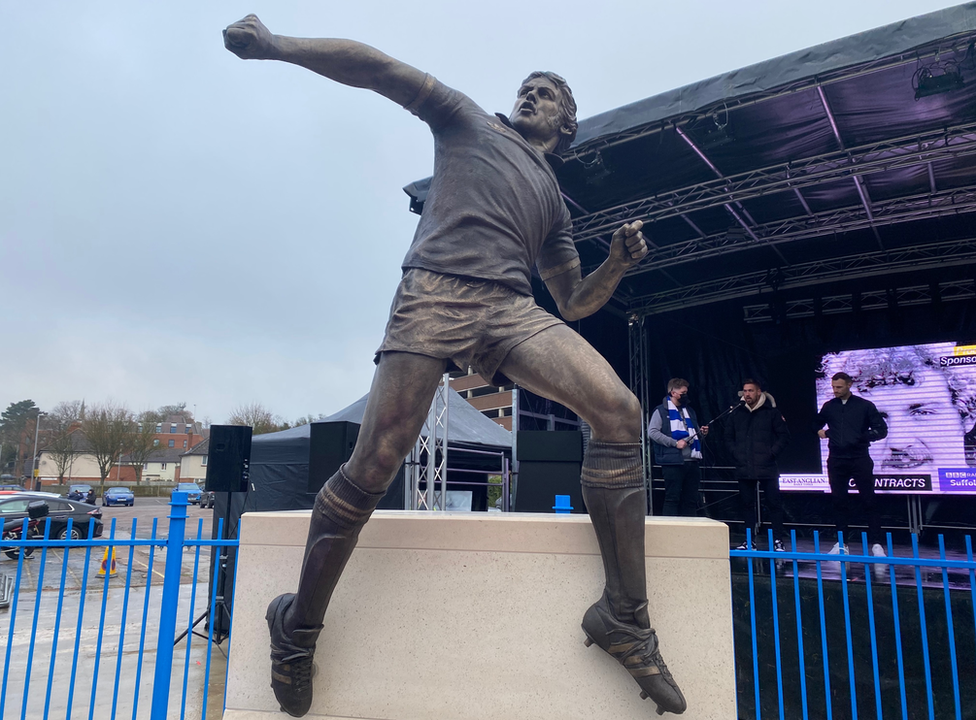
point(169, 606)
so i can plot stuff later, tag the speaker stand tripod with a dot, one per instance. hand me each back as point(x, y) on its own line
point(220, 577)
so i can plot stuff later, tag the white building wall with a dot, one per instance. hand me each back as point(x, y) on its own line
point(153, 471)
point(192, 468)
point(83, 469)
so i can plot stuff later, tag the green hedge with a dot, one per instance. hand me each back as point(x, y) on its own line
point(140, 490)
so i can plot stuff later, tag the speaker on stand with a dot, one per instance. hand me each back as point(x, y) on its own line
point(228, 462)
point(330, 444)
point(549, 465)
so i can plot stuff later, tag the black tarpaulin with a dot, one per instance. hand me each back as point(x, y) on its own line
point(868, 110)
point(279, 461)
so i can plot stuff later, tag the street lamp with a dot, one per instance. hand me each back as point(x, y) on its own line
point(37, 431)
point(119, 473)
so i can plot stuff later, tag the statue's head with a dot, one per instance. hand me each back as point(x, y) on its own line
point(545, 111)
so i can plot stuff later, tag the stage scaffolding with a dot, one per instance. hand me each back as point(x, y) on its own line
point(428, 460)
point(638, 385)
point(427, 471)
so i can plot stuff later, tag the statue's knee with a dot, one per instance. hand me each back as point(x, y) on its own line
point(619, 418)
point(374, 466)
point(630, 412)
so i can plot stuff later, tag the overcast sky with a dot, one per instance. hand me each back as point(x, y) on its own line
point(179, 225)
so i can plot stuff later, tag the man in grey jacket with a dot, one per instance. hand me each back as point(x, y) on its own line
point(674, 430)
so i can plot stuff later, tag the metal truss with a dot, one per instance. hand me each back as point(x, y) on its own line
point(428, 459)
point(889, 212)
point(916, 258)
point(747, 226)
point(867, 300)
point(638, 384)
point(585, 151)
point(862, 191)
point(909, 150)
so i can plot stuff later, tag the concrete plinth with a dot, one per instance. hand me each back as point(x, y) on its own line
point(476, 616)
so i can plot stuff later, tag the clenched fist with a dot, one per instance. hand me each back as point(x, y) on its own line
point(627, 246)
point(250, 39)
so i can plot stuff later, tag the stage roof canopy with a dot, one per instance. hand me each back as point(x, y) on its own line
point(840, 174)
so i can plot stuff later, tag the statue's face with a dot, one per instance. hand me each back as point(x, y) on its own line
point(537, 114)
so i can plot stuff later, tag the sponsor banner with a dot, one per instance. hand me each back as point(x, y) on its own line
point(957, 480)
point(894, 484)
point(957, 360)
point(902, 483)
point(808, 483)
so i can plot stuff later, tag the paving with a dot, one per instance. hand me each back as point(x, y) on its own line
point(82, 660)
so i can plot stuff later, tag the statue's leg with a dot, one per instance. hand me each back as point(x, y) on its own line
point(398, 403)
point(558, 364)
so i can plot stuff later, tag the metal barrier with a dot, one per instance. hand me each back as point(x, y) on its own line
point(838, 636)
point(108, 651)
point(817, 635)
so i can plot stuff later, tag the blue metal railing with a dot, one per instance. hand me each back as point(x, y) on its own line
point(817, 635)
point(884, 631)
point(105, 678)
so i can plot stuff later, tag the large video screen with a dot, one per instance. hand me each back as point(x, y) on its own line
point(927, 396)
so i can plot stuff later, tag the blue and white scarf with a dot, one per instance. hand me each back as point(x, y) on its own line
point(682, 428)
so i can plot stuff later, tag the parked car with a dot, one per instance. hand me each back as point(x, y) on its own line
point(78, 492)
point(9, 487)
point(192, 491)
point(14, 507)
point(14, 529)
point(207, 499)
point(118, 495)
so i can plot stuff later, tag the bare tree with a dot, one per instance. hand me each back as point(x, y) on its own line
point(257, 416)
point(62, 452)
point(108, 429)
point(142, 440)
point(64, 415)
point(178, 409)
point(62, 420)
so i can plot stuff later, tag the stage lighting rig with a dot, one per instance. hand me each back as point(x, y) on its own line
point(596, 170)
point(941, 76)
point(714, 132)
point(929, 82)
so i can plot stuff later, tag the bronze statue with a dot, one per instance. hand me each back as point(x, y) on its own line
point(494, 211)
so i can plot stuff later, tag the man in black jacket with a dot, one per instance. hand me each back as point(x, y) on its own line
point(853, 423)
point(756, 435)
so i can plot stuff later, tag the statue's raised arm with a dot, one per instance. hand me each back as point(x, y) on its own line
point(345, 61)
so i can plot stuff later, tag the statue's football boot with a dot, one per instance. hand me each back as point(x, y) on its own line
point(292, 668)
point(636, 648)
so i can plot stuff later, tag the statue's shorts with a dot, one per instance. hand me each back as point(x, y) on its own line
point(473, 323)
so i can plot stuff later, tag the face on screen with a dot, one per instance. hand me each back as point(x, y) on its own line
point(924, 428)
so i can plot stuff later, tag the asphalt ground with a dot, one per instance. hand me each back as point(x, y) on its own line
point(84, 658)
point(147, 509)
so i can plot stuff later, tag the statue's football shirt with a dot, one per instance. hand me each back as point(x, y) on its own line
point(494, 209)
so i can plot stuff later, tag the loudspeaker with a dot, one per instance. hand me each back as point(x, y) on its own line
point(550, 446)
point(549, 465)
point(540, 482)
point(329, 445)
point(228, 458)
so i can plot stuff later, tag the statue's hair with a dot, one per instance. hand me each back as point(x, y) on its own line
point(566, 102)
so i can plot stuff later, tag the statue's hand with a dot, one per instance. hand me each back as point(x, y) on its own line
point(249, 39)
point(627, 247)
